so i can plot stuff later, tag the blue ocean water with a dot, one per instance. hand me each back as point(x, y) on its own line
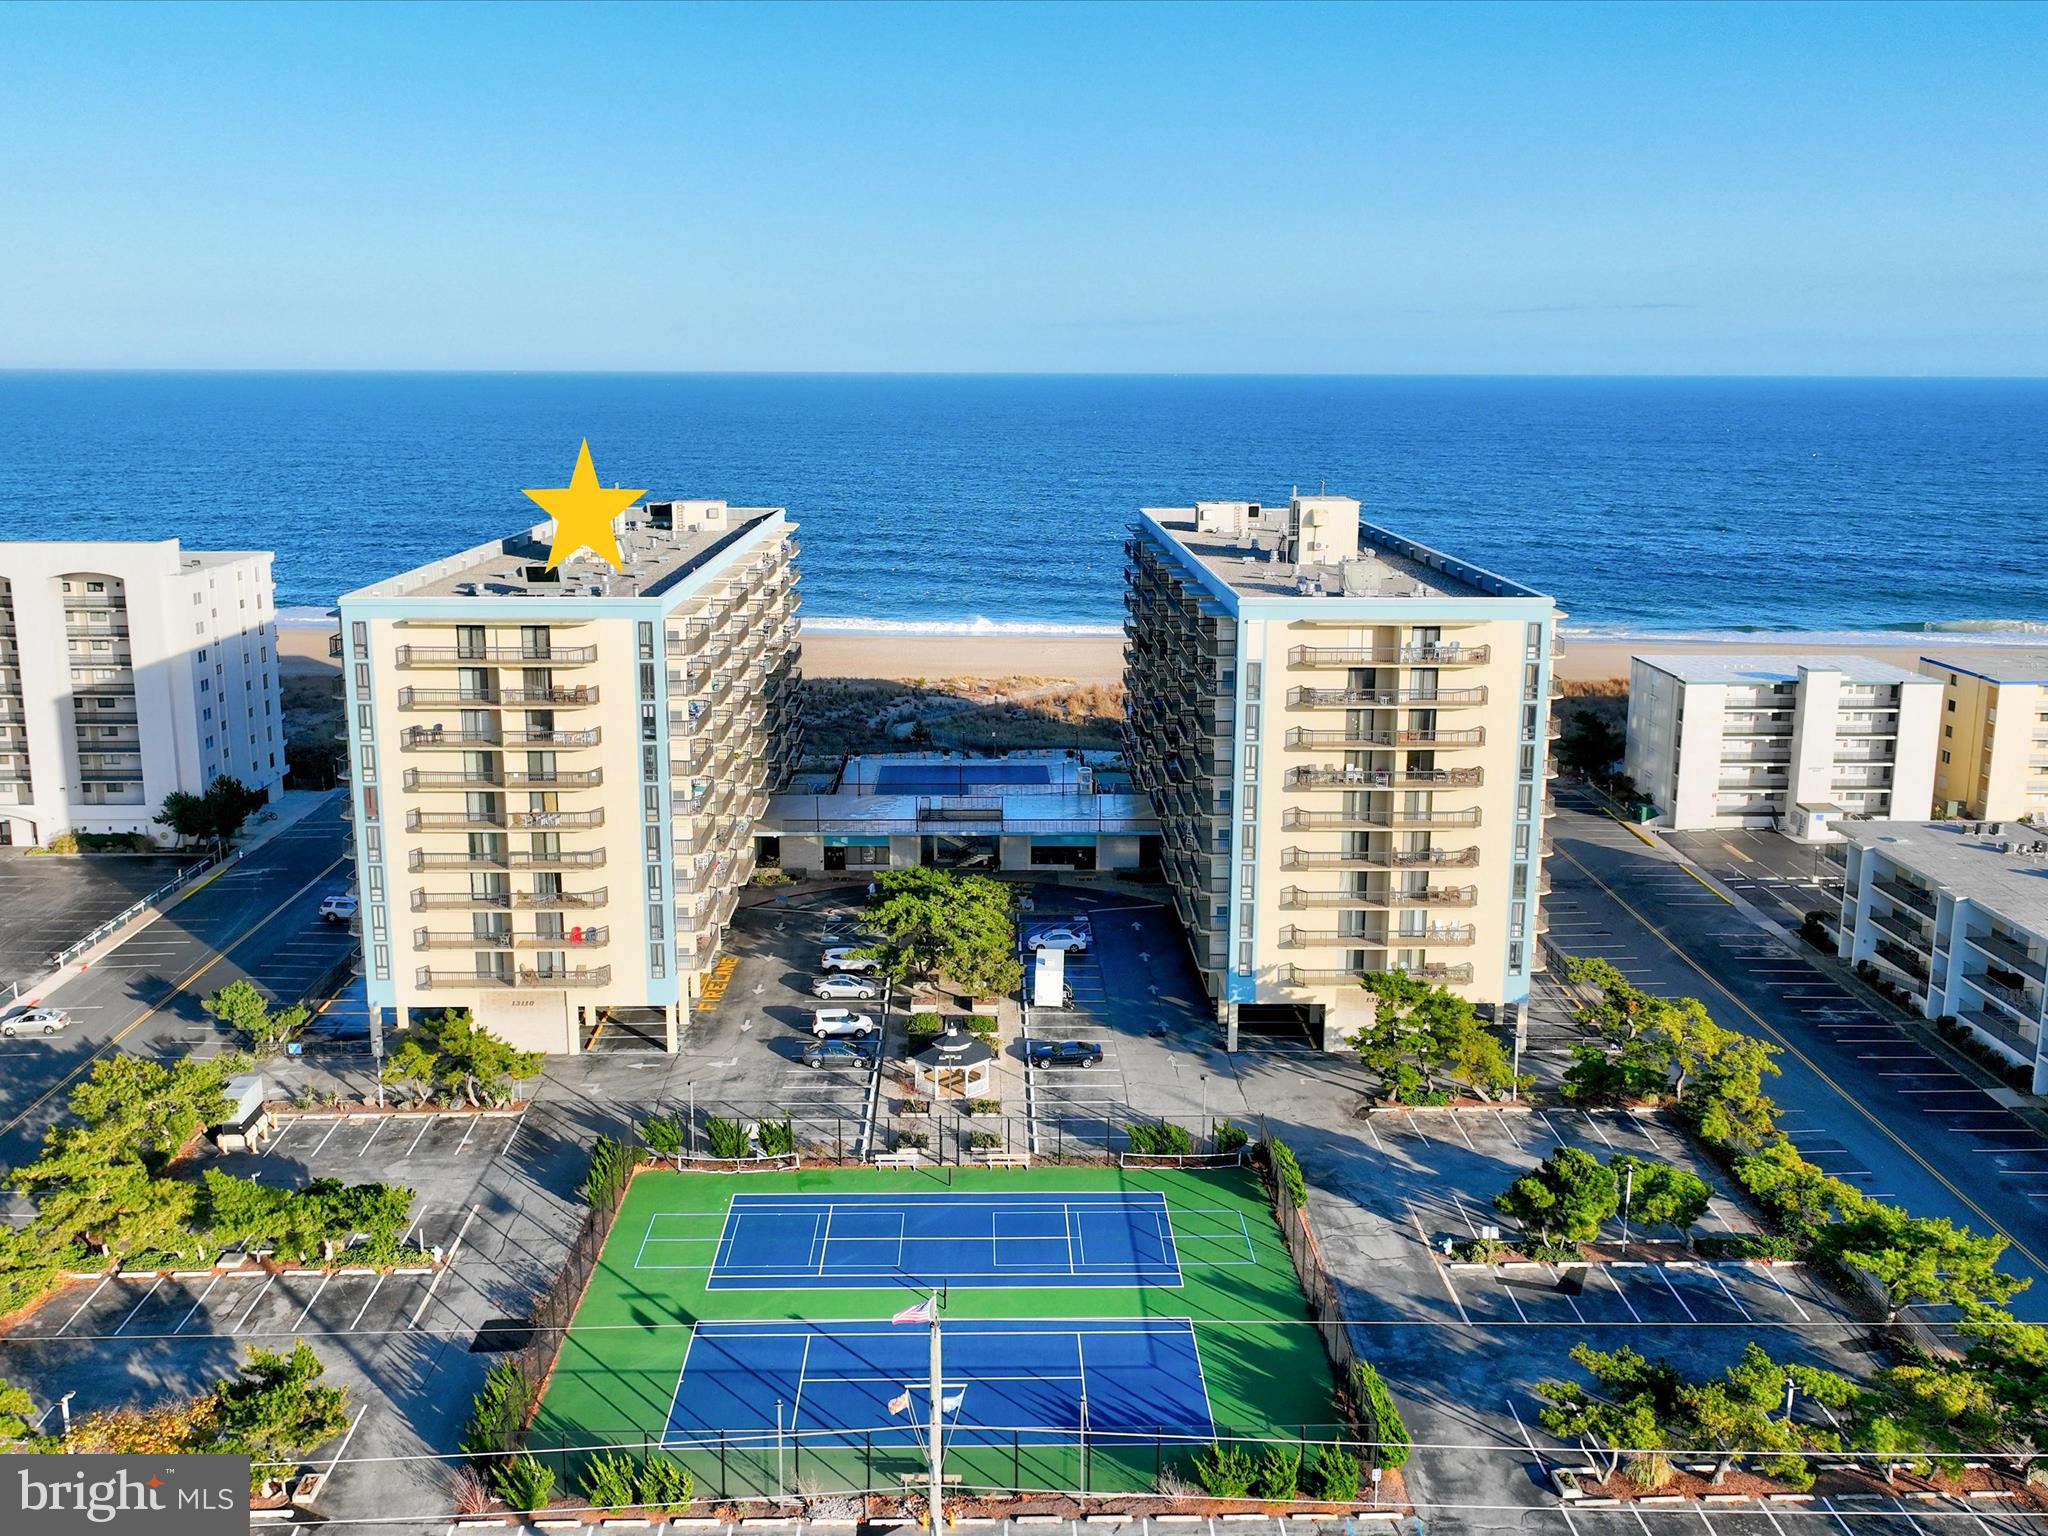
point(1645, 506)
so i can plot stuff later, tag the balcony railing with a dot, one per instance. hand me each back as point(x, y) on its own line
point(1903, 958)
point(501, 698)
point(1294, 817)
point(1294, 898)
point(2015, 955)
point(500, 821)
point(1383, 698)
point(508, 778)
point(1425, 858)
point(418, 859)
point(1300, 737)
point(1919, 898)
point(495, 656)
point(1390, 656)
point(547, 981)
point(1332, 938)
point(576, 938)
point(1440, 975)
point(1330, 777)
point(508, 901)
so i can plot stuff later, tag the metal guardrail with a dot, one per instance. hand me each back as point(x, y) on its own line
point(121, 919)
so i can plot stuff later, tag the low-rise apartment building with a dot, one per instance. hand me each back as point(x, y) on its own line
point(1344, 736)
point(1789, 743)
point(128, 670)
point(1958, 916)
point(556, 774)
point(1993, 758)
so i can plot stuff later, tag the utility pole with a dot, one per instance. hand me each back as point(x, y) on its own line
point(935, 1510)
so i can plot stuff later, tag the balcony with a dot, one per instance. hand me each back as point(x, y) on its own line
point(501, 821)
point(508, 901)
point(579, 938)
point(2006, 952)
point(1425, 858)
point(495, 656)
point(1439, 975)
point(1384, 698)
point(1899, 957)
point(1904, 928)
point(86, 602)
point(1296, 819)
point(1330, 777)
point(1332, 938)
point(2020, 1000)
point(1303, 739)
point(418, 859)
point(509, 778)
point(1294, 898)
point(547, 981)
point(1390, 656)
point(1918, 897)
point(2023, 1041)
point(502, 698)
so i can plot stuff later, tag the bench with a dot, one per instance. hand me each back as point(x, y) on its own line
point(1004, 1159)
point(896, 1160)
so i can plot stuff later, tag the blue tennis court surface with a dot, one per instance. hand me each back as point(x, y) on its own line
point(1138, 1377)
point(860, 1242)
point(957, 778)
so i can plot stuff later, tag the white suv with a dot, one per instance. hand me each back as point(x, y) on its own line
point(829, 1023)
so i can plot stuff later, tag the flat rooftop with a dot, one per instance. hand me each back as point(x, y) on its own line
point(1047, 792)
point(1700, 667)
point(1980, 866)
point(1388, 565)
point(655, 560)
point(1997, 663)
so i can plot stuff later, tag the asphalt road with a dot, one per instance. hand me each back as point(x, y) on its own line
point(1858, 1096)
point(258, 918)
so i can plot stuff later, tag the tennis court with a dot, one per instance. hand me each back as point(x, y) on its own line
point(1003, 1377)
point(983, 1239)
point(1100, 1322)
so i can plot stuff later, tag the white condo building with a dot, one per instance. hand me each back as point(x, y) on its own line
point(129, 670)
point(1781, 742)
point(1957, 914)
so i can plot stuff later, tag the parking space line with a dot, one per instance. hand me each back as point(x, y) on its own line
point(159, 1280)
point(261, 1291)
point(278, 1140)
point(1674, 1292)
point(518, 1124)
point(197, 1305)
point(1458, 1124)
point(1770, 1272)
point(426, 1121)
point(105, 1280)
point(1730, 1295)
point(378, 1130)
point(1557, 1279)
point(357, 1321)
point(1619, 1291)
point(306, 1311)
point(338, 1123)
point(474, 1122)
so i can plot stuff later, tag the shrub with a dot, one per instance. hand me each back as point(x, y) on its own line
point(526, 1484)
point(984, 1141)
point(663, 1135)
point(1333, 1473)
point(1286, 1172)
point(1279, 1474)
point(612, 1162)
point(468, 1494)
point(1545, 1252)
point(914, 1107)
point(608, 1481)
point(1226, 1471)
point(1382, 1418)
point(984, 1107)
point(923, 1026)
point(1479, 1250)
point(1230, 1137)
point(777, 1137)
point(1747, 1245)
point(665, 1484)
point(498, 1411)
point(726, 1138)
point(912, 1141)
point(981, 1024)
point(1818, 929)
point(1159, 1136)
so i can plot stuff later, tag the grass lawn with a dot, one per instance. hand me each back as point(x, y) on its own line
point(617, 1379)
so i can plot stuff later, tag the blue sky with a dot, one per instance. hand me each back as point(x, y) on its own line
point(1612, 189)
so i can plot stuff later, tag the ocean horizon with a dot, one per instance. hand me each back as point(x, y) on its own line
point(1838, 510)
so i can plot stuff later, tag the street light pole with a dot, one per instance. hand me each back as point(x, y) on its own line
point(1628, 1189)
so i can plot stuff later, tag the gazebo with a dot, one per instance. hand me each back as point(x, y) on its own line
point(956, 1060)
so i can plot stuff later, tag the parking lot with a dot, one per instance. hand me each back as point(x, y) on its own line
point(50, 902)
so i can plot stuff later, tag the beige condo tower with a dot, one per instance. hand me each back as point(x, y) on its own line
point(556, 774)
point(1345, 735)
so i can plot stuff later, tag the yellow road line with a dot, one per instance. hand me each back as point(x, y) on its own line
point(154, 1008)
point(1806, 1061)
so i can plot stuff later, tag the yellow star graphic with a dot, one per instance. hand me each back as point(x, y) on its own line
point(583, 511)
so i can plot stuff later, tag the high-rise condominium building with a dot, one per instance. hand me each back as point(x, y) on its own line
point(556, 773)
point(129, 670)
point(1782, 742)
point(1345, 737)
point(1993, 753)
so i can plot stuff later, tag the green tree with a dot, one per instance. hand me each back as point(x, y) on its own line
point(132, 1106)
point(245, 1010)
point(453, 1054)
point(1922, 1259)
point(215, 816)
point(275, 1410)
point(935, 923)
point(1660, 1195)
point(17, 1413)
point(1422, 1034)
point(1798, 1196)
point(1726, 1102)
point(1590, 745)
point(1564, 1199)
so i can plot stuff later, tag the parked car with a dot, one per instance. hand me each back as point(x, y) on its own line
point(845, 957)
point(843, 985)
point(1062, 1053)
point(829, 1022)
point(35, 1021)
point(1062, 937)
point(338, 908)
point(838, 1053)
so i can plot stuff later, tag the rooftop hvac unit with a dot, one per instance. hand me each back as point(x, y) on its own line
point(1356, 578)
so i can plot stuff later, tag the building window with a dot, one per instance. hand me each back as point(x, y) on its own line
point(1252, 671)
